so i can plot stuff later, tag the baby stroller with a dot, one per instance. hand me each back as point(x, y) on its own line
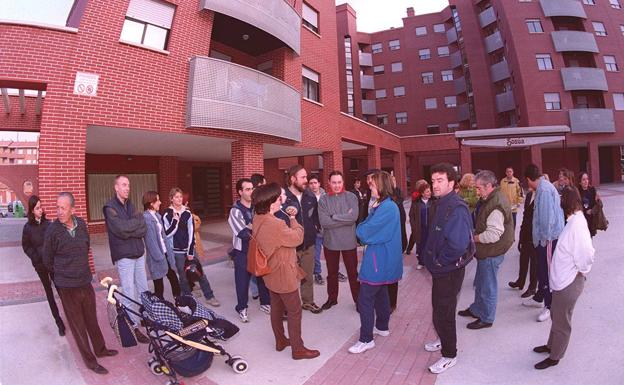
point(181, 336)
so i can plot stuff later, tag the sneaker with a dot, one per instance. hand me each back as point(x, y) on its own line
point(433, 346)
point(341, 277)
point(419, 267)
point(242, 314)
point(265, 309)
point(383, 333)
point(311, 307)
point(361, 347)
point(442, 365)
point(318, 279)
point(213, 302)
point(544, 315)
point(530, 302)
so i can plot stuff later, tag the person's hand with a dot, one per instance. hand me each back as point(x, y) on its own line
point(189, 257)
point(249, 226)
point(476, 238)
point(291, 210)
point(588, 211)
point(176, 215)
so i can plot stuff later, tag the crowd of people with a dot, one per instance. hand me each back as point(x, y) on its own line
point(453, 220)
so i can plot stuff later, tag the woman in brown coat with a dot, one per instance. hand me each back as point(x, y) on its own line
point(278, 241)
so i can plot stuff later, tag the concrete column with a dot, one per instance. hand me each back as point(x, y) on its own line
point(465, 155)
point(536, 157)
point(593, 157)
point(374, 156)
point(400, 171)
point(247, 159)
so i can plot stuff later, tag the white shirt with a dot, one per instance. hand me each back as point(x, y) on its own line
point(574, 253)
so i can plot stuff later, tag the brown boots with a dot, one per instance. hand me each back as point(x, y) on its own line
point(305, 354)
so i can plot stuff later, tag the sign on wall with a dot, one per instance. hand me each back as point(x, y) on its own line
point(512, 142)
point(86, 84)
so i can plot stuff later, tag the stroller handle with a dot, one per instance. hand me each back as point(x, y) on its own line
point(106, 282)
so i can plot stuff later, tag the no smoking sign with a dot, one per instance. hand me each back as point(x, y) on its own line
point(86, 84)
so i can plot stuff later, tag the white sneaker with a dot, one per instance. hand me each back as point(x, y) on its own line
point(544, 315)
point(530, 302)
point(433, 346)
point(383, 333)
point(243, 315)
point(361, 347)
point(442, 365)
point(265, 309)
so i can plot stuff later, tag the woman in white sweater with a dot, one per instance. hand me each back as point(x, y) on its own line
point(571, 261)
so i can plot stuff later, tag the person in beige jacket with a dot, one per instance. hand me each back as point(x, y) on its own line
point(279, 242)
point(510, 186)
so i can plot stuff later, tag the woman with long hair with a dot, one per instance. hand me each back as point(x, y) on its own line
point(589, 198)
point(419, 220)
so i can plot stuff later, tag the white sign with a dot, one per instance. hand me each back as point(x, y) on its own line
point(512, 142)
point(86, 84)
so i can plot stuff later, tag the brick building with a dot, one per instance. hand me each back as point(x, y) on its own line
point(506, 79)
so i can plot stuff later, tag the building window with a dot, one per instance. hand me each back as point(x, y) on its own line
point(401, 117)
point(610, 63)
point(589, 2)
point(377, 47)
point(534, 25)
point(599, 28)
point(394, 45)
point(615, 4)
point(399, 91)
point(311, 84)
point(443, 51)
point(433, 129)
point(618, 101)
point(421, 31)
point(544, 62)
point(349, 73)
point(310, 18)
point(439, 28)
point(382, 119)
point(622, 29)
point(552, 101)
point(427, 77)
point(424, 54)
point(380, 94)
point(581, 102)
point(452, 127)
point(148, 22)
point(431, 103)
point(450, 101)
point(397, 66)
point(447, 75)
point(378, 70)
point(49, 12)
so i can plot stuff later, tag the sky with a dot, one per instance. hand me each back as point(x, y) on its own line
point(377, 15)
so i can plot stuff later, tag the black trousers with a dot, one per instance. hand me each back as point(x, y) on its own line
point(528, 257)
point(444, 296)
point(393, 293)
point(44, 277)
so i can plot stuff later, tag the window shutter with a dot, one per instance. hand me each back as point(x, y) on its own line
point(154, 12)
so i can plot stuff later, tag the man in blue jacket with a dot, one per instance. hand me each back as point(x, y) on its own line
point(450, 234)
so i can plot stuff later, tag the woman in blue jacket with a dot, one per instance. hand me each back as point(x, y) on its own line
point(382, 263)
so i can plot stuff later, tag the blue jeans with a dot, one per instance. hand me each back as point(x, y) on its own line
point(373, 300)
point(318, 246)
point(241, 280)
point(133, 279)
point(253, 286)
point(184, 284)
point(486, 288)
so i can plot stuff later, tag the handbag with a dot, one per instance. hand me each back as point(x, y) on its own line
point(119, 321)
point(257, 261)
point(599, 221)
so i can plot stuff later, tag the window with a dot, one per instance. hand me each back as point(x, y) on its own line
point(421, 31)
point(53, 12)
point(610, 63)
point(397, 67)
point(599, 28)
point(447, 75)
point(439, 28)
point(589, 2)
point(524, 1)
point(450, 101)
point(401, 117)
point(552, 101)
point(618, 101)
point(431, 103)
point(399, 91)
point(377, 47)
point(534, 25)
point(443, 51)
point(382, 119)
point(394, 45)
point(310, 84)
point(581, 102)
point(452, 127)
point(622, 29)
point(433, 129)
point(349, 74)
point(378, 70)
point(424, 54)
point(427, 77)
point(310, 18)
point(615, 4)
point(148, 22)
point(544, 62)
point(380, 94)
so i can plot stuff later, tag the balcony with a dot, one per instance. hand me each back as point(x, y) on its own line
point(487, 17)
point(366, 59)
point(463, 112)
point(493, 42)
point(505, 102)
point(229, 96)
point(566, 41)
point(583, 78)
point(456, 59)
point(571, 8)
point(451, 35)
point(369, 107)
point(460, 85)
point(276, 17)
point(591, 120)
point(499, 71)
point(367, 82)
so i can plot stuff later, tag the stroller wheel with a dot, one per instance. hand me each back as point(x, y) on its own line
point(239, 366)
point(155, 367)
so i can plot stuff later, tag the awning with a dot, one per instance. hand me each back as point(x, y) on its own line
point(512, 136)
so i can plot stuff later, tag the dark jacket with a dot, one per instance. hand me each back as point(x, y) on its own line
point(526, 229)
point(33, 237)
point(497, 200)
point(415, 217)
point(126, 229)
point(362, 197)
point(180, 234)
point(67, 257)
point(307, 216)
point(450, 232)
point(588, 198)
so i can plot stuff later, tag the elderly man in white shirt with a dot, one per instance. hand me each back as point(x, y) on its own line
point(571, 261)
